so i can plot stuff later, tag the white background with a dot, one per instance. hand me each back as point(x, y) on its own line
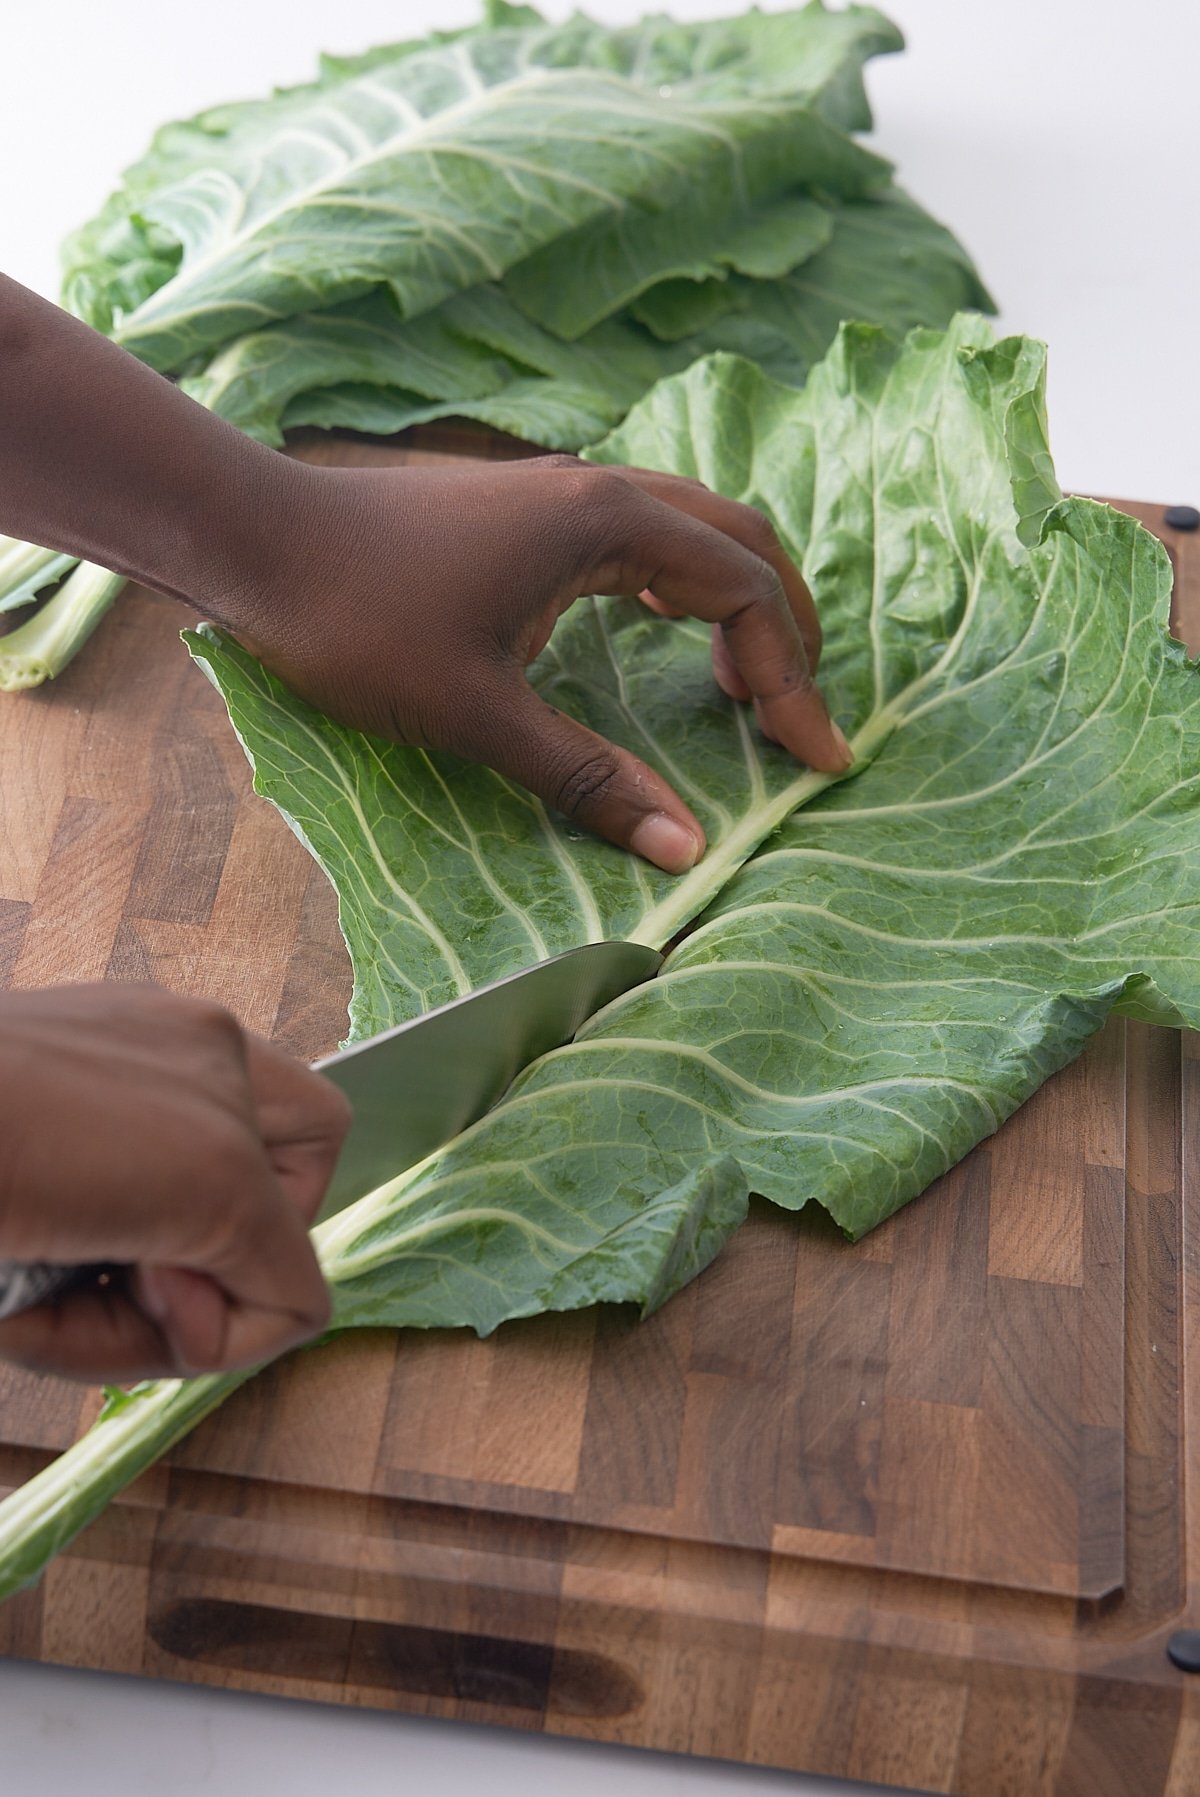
point(1060, 139)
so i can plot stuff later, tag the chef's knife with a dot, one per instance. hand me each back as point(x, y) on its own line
point(417, 1085)
point(414, 1087)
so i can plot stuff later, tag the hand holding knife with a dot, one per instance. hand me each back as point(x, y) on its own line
point(414, 1087)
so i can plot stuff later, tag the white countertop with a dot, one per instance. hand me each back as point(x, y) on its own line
point(89, 1734)
point(1060, 139)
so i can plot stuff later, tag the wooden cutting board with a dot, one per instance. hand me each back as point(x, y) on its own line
point(924, 1511)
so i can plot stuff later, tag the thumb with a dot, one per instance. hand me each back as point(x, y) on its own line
point(589, 779)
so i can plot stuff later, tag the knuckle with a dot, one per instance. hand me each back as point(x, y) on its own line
point(333, 1108)
point(559, 460)
point(138, 992)
point(769, 586)
point(763, 591)
point(214, 1021)
point(228, 1175)
point(601, 513)
point(192, 1362)
point(609, 488)
point(760, 534)
point(598, 494)
point(317, 1312)
point(584, 788)
point(794, 680)
point(145, 1003)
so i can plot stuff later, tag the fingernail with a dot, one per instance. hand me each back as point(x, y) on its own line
point(839, 738)
point(666, 842)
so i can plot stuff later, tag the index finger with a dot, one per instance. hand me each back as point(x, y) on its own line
point(746, 525)
point(709, 574)
point(302, 1119)
point(94, 1335)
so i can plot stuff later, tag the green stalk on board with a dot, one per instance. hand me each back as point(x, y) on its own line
point(25, 569)
point(42, 647)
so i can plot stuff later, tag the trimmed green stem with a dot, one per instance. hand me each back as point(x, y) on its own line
point(44, 1515)
point(25, 569)
point(49, 1510)
point(689, 895)
point(41, 648)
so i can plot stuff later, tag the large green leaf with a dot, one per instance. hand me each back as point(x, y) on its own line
point(473, 351)
point(829, 47)
point(887, 263)
point(361, 366)
point(758, 229)
point(915, 950)
point(555, 414)
point(438, 168)
point(772, 241)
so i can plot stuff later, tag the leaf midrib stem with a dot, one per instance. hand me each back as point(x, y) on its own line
point(692, 892)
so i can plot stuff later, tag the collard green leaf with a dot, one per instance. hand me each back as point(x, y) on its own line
point(554, 414)
point(829, 48)
point(768, 244)
point(361, 366)
point(252, 380)
point(917, 947)
point(887, 263)
point(772, 239)
point(464, 1252)
point(439, 168)
point(474, 350)
point(576, 281)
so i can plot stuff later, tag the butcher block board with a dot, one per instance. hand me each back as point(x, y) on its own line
point(924, 1510)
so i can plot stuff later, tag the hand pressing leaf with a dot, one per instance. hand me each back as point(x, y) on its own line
point(917, 948)
point(920, 947)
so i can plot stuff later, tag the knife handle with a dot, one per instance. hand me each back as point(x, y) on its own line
point(24, 1284)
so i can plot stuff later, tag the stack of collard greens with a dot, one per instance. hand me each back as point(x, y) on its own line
point(523, 224)
point(882, 969)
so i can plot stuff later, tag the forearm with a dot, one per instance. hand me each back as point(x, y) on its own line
point(104, 458)
point(404, 602)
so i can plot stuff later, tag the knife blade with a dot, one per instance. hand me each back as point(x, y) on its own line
point(414, 1087)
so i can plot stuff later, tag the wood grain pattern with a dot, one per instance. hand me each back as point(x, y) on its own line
point(923, 1511)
